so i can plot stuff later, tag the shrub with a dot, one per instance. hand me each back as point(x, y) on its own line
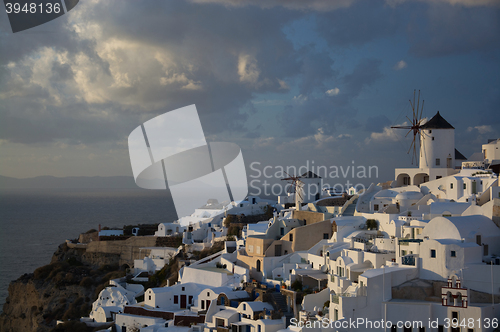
point(42, 272)
point(73, 261)
point(86, 282)
point(297, 285)
point(371, 224)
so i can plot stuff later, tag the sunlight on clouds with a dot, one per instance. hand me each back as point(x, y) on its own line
point(481, 129)
point(300, 99)
point(263, 141)
point(400, 65)
point(388, 134)
point(319, 140)
point(247, 69)
point(333, 92)
point(283, 85)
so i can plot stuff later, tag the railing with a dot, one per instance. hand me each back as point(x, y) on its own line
point(408, 260)
point(335, 298)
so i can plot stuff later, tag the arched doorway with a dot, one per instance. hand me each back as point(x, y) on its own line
point(258, 266)
point(420, 178)
point(403, 179)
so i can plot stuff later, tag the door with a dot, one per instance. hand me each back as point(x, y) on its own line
point(207, 304)
point(183, 301)
point(277, 250)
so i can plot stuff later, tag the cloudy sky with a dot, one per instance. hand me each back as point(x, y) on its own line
point(289, 81)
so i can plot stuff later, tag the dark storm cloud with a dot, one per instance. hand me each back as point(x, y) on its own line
point(444, 30)
point(316, 69)
point(309, 113)
point(431, 28)
point(360, 23)
point(211, 56)
point(377, 123)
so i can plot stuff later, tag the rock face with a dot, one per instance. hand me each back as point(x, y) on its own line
point(63, 289)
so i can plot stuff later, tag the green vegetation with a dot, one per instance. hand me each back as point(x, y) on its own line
point(371, 224)
point(297, 285)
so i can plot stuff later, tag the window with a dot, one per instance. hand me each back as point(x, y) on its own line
point(453, 253)
point(291, 237)
point(208, 293)
point(250, 248)
point(259, 329)
point(433, 253)
point(478, 240)
point(244, 306)
point(438, 161)
point(183, 289)
point(176, 299)
point(325, 236)
point(485, 250)
point(149, 297)
point(451, 185)
point(465, 186)
point(432, 137)
point(282, 231)
point(430, 131)
point(403, 252)
point(375, 207)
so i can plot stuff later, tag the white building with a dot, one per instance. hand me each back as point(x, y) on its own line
point(437, 154)
point(113, 299)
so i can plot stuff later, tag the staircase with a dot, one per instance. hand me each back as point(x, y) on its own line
point(279, 302)
point(350, 209)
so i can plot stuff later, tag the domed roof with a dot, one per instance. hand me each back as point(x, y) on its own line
point(409, 195)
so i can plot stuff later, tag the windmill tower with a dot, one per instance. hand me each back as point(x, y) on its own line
point(438, 143)
point(296, 188)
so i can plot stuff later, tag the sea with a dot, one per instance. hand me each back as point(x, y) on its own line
point(34, 222)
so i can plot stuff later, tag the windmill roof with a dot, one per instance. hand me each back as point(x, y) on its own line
point(310, 174)
point(459, 156)
point(437, 122)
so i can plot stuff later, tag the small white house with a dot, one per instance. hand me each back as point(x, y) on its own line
point(176, 297)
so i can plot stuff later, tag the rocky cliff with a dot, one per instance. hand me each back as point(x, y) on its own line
point(63, 289)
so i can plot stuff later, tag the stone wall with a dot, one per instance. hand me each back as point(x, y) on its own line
point(128, 250)
point(309, 216)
